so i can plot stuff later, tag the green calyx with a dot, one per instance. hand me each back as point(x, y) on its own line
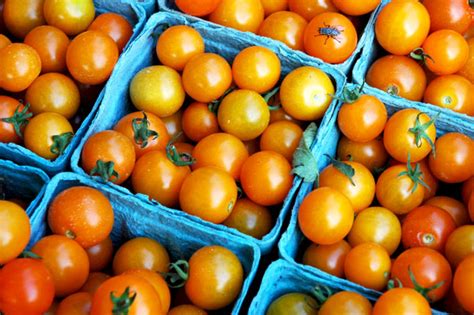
point(422, 290)
point(392, 89)
point(60, 142)
point(178, 274)
point(305, 164)
point(141, 133)
point(420, 55)
point(344, 168)
point(19, 119)
point(177, 158)
point(351, 94)
point(394, 283)
point(28, 254)
point(105, 170)
point(122, 303)
point(419, 131)
point(321, 293)
point(269, 95)
point(415, 174)
point(214, 105)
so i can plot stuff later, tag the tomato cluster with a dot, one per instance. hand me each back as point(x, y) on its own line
point(323, 29)
point(430, 53)
point(192, 156)
point(60, 51)
point(380, 199)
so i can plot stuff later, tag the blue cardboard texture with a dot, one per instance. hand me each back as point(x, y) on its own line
point(137, 16)
point(292, 240)
point(282, 278)
point(345, 67)
point(179, 236)
point(23, 182)
point(116, 102)
point(371, 52)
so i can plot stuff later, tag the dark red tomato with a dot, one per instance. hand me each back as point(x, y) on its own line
point(115, 26)
point(100, 255)
point(428, 268)
point(455, 208)
point(13, 119)
point(427, 226)
point(328, 258)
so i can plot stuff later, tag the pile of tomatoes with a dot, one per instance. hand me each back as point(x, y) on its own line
point(60, 53)
point(230, 133)
point(430, 48)
point(377, 217)
point(74, 266)
point(324, 29)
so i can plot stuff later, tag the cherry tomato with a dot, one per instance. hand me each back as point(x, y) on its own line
point(467, 70)
point(243, 15)
point(346, 302)
point(15, 229)
point(146, 130)
point(81, 213)
point(51, 45)
point(252, 146)
point(115, 26)
point(17, 118)
point(159, 177)
point(94, 280)
point(377, 225)
point(20, 17)
point(145, 302)
point(305, 93)
point(282, 137)
point(371, 154)
point(431, 181)
point(272, 6)
point(449, 14)
point(178, 44)
point(110, 155)
point(4, 41)
point(100, 255)
point(26, 287)
point(402, 26)
point(75, 304)
point(215, 277)
point(91, 57)
point(174, 126)
point(186, 309)
point(325, 216)
point(453, 207)
point(467, 189)
point(286, 27)
point(428, 268)
point(331, 37)
point(460, 244)
point(356, 8)
point(401, 301)
point(206, 77)
point(399, 190)
point(453, 162)
point(71, 16)
point(256, 68)
point(208, 193)
point(266, 178)
point(244, 114)
point(308, 9)
point(453, 92)
point(250, 218)
point(223, 151)
point(398, 75)
point(463, 284)
point(53, 92)
point(199, 122)
point(358, 187)
point(280, 114)
point(48, 134)
point(20, 65)
point(328, 258)
point(141, 253)
point(293, 303)
point(200, 8)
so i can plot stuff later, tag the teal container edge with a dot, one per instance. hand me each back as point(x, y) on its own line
point(136, 13)
point(345, 67)
point(283, 277)
point(179, 236)
point(141, 53)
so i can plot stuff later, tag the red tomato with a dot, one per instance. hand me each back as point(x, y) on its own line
point(449, 14)
point(13, 119)
point(464, 284)
point(100, 255)
point(452, 206)
point(197, 8)
point(115, 26)
point(328, 258)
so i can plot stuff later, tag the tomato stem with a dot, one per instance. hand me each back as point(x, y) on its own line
point(392, 90)
point(415, 175)
point(268, 96)
point(28, 254)
point(420, 55)
point(60, 142)
point(419, 130)
point(422, 290)
point(177, 158)
point(321, 293)
point(70, 234)
point(352, 94)
point(344, 168)
point(178, 277)
point(213, 106)
point(141, 133)
point(122, 304)
point(391, 283)
point(19, 119)
point(105, 170)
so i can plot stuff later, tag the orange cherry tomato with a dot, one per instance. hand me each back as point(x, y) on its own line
point(115, 26)
point(331, 37)
point(4, 41)
point(467, 189)
point(449, 14)
point(91, 57)
point(206, 77)
point(199, 122)
point(250, 218)
point(401, 301)
point(15, 231)
point(272, 6)
point(467, 70)
point(200, 8)
point(20, 65)
point(187, 309)
point(463, 284)
point(293, 303)
point(460, 244)
point(346, 302)
point(243, 15)
point(328, 258)
point(282, 137)
point(94, 280)
point(51, 45)
point(100, 255)
point(178, 44)
point(308, 9)
point(280, 114)
point(17, 118)
point(109, 154)
point(372, 154)
point(325, 216)
point(20, 17)
point(398, 75)
point(452, 206)
point(286, 27)
point(355, 7)
point(82, 213)
point(71, 16)
point(402, 26)
point(174, 126)
point(75, 304)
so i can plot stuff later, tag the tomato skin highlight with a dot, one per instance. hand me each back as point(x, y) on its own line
point(463, 284)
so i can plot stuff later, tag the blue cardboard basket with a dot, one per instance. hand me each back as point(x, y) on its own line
point(345, 67)
point(371, 52)
point(282, 278)
point(289, 245)
point(22, 182)
point(226, 42)
point(179, 236)
point(136, 13)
